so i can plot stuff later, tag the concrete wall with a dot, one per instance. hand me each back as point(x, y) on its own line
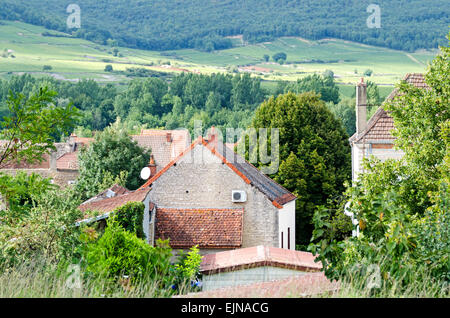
point(247, 276)
point(201, 180)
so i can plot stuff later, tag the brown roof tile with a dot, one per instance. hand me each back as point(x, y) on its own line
point(208, 228)
point(165, 145)
point(68, 161)
point(257, 256)
point(380, 125)
point(110, 204)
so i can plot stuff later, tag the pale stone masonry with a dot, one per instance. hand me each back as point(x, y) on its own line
point(209, 185)
point(204, 177)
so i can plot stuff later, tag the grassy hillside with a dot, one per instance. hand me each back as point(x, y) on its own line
point(174, 24)
point(73, 58)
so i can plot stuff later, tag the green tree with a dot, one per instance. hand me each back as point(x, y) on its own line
point(402, 205)
point(32, 126)
point(112, 152)
point(108, 68)
point(314, 152)
point(325, 86)
point(279, 56)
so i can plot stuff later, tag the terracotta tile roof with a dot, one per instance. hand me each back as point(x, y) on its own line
point(311, 284)
point(277, 194)
point(380, 125)
point(165, 145)
point(81, 140)
point(68, 161)
point(45, 164)
point(110, 204)
point(258, 256)
point(208, 228)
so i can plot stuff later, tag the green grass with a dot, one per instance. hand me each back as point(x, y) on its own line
point(73, 58)
point(39, 279)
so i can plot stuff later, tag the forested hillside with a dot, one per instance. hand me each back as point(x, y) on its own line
point(204, 24)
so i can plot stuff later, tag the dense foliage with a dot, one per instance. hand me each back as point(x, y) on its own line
point(216, 99)
point(131, 216)
point(314, 153)
point(32, 124)
point(119, 253)
point(174, 24)
point(402, 206)
point(111, 153)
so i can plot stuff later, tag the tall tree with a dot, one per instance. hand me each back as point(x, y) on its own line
point(111, 154)
point(314, 152)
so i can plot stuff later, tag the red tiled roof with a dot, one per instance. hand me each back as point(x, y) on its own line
point(249, 173)
point(207, 228)
point(110, 204)
point(81, 140)
point(165, 145)
point(311, 284)
point(45, 164)
point(380, 125)
point(257, 256)
point(68, 161)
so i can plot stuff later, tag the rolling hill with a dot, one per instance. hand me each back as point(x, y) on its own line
point(73, 58)
point(178, 24)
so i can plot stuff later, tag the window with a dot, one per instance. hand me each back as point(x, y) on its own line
point(289, 238)
point(282, 240)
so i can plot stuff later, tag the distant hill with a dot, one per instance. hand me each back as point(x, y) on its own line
point(204, 24)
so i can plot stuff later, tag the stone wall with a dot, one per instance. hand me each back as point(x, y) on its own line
point(60, 177)
point(201, 180)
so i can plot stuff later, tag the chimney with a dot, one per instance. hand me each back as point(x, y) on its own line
point(361, 106)
point(169, 137)
point(152, 166)
point(53, 166)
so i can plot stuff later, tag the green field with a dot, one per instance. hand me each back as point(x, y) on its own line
point(73, 59)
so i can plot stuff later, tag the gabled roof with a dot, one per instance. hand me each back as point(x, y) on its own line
point(380, 125)
point(258, 256)
point(68, 161)
point(165, 145)
point(207, 228)
point(277, 194)
point(110, 204)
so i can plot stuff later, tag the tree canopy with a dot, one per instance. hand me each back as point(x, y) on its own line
point(314, 152)
point(171, 24)
point(402, 206)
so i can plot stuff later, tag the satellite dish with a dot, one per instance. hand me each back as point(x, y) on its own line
point(145, 173)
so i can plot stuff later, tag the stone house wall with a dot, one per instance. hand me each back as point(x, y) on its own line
point(201, 180)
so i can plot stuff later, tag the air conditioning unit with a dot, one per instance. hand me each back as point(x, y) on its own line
point(238, 196)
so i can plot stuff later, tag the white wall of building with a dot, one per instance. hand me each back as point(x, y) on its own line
point(286, 224)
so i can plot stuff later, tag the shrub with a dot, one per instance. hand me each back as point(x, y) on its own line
point(46, 230)
point(130, 216)
point(119, 252)
point(188, 268)
point(108, 68)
